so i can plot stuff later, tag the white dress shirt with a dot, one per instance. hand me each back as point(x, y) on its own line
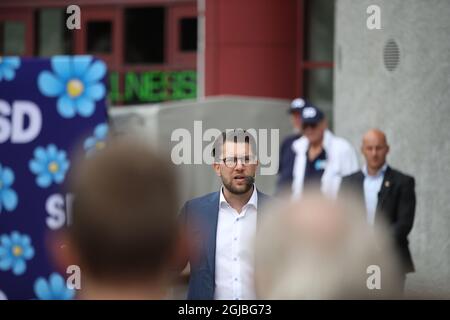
point(234, 278)
point(372, 186)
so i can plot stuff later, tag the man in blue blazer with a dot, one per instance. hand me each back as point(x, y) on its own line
point(221, 225)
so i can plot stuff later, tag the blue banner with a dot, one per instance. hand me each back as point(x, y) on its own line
point(48, 109)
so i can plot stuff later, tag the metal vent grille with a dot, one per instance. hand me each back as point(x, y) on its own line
point(391, 55)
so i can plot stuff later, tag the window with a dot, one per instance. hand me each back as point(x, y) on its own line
point(188, 34)
point(319, 20)
point(319, 89)
point(12, 38)
point(52, 35)
point(144, 35)
point(318, 60)
point(99, 37)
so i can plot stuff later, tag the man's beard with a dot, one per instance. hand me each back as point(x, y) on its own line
point(248, 185)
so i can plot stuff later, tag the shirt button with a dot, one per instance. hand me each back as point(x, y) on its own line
point(235, 259)
point(235, 238)
point(235, 279)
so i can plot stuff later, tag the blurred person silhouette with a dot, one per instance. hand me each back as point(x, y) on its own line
point(287, 155)
point(320, 248)
point(322, 158)
point(387, 194)
point(221, 225)
point(124, 228)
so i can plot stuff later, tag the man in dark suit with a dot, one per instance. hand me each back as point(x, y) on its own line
point(388, 195)
point(220, 226)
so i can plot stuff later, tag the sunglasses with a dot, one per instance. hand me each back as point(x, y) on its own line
point(309, 125)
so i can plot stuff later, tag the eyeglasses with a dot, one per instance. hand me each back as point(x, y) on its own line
point(231, 162)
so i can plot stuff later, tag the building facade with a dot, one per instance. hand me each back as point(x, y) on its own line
point(159, 50)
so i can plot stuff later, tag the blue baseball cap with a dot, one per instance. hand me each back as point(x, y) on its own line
point(311, 114)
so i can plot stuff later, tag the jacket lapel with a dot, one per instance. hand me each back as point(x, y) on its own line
point(386, 187)
point(262, 200)
point(212, 213)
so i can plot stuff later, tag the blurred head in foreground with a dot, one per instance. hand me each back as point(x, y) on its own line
point(123, 227)
point(318, 248)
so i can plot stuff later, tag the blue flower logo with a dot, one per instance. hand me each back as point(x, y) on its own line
point(49, 165)
point(98, 140)
point(14, 251)
point(53, 289)
point(8, 197)
point(8, 66)
point(75, 82)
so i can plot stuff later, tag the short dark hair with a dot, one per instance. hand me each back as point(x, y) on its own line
point(124, 212)
point(236, 136)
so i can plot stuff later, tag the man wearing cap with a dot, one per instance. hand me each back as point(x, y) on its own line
point(322, 159)
point(388, 195)
point(287, 155)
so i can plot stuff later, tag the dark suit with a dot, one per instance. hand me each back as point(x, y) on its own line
point(199, 216)
point(396, 204)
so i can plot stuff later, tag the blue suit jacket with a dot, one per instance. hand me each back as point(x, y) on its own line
point(200, 216)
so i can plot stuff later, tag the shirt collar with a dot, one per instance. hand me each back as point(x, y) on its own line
point(252, 201)
point(379, 173)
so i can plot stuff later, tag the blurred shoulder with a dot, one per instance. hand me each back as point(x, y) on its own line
point(401, 176)
point(202, 199)
point(354, 175)
point(343, 144)
point(289, 140)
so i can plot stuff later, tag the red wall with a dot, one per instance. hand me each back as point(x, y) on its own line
point(252, 48)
